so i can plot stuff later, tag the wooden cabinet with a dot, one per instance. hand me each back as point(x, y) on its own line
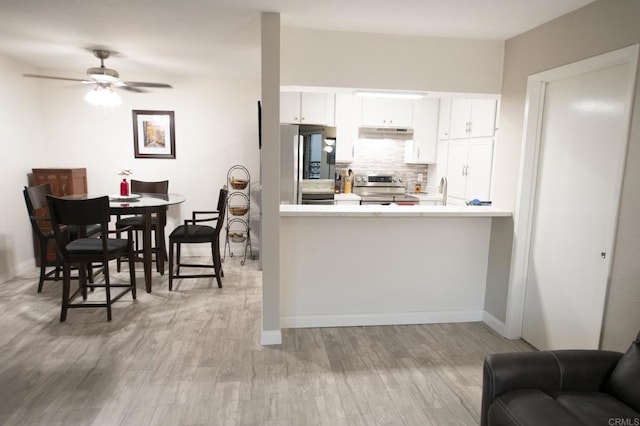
point(469, 168)
point(472, 118)
point(386, 112)
point(63, 182)
point(346, 129)
point(422, 149)
point(307, 108)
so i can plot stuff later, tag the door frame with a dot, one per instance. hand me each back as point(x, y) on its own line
point(529, 159)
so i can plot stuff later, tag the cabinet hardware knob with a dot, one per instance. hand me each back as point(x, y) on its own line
point(603, 254)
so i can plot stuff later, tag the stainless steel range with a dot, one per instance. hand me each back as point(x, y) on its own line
point(382, 189)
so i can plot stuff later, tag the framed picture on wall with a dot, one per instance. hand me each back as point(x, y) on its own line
point(154, 134)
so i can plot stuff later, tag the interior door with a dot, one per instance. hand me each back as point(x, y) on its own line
point(583, 140)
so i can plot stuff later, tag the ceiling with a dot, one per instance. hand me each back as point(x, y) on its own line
point(222, 37)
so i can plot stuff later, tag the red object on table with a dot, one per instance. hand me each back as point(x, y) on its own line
point(124, 187)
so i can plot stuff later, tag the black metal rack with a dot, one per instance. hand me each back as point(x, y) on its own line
point(238, 212)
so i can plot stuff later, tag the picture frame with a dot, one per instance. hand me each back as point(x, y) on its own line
point(154, 134)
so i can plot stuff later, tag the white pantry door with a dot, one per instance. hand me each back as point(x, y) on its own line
point(582, 148)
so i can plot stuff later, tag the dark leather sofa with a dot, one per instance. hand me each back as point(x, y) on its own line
point(564, 388)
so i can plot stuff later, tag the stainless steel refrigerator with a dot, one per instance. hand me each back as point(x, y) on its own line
point(307, 153)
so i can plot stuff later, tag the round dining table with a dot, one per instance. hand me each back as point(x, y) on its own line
point(144, 204)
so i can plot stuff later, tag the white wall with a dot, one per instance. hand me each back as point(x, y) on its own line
point(597, 28)
point(270, 30)
point(393, 62)
point(50, 125)
point(22, 142)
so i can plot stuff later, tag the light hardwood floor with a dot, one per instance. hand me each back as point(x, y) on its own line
point(193, 357)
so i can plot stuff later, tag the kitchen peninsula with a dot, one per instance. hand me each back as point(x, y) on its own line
point(349, 265)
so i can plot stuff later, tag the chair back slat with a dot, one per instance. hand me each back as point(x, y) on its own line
point(35, 197)
point(222, 208)
point(160, 187)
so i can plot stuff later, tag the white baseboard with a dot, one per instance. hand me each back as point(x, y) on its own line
point(271, 337)
point(494, 323)
point(23, 269)
point(307, 321)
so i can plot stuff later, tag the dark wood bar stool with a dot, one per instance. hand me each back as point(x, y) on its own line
point(35, 198)
point(194, 233)
point(84, 250)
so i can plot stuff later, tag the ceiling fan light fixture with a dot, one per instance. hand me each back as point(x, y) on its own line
point(103, 95)
point(103, 75)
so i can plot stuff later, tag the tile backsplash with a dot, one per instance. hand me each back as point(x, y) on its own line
point(383, 156)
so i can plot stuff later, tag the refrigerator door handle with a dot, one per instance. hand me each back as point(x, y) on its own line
point(300, 156)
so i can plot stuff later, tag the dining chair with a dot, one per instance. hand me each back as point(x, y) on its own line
point(192, 232)
point(35, 198)
point(84, 250)
point(136, 223)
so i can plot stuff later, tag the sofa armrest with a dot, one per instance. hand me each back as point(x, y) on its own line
point(585, 370)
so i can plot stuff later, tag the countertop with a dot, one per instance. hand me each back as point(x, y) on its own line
point(373, 210)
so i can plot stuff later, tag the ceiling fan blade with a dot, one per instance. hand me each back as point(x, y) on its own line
point(145, 84)
point(83, 80)
point(129, 88)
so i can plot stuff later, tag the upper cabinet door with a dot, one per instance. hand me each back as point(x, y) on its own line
point(473, 118)
point(400, 112)
point(307, 108)
point(387, 112)
point(317, 108)
point(460, 118)
point(425, 132)
point(290, 107)
point(374, 112)
point(483, 118)
point(346, 129)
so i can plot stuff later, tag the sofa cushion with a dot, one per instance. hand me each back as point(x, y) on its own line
point(532, 407)
point(625, 378)
point(529, 407)
point(597, 408)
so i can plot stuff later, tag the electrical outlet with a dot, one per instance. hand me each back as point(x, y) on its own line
point(420, 176)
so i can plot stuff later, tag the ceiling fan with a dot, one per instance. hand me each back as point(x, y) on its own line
point(104, 79)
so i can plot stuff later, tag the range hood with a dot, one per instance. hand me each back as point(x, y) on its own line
point(372, 132)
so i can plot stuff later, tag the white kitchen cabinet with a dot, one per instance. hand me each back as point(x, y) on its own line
point(290, 107)
point(346, 128)
point(422, 149)
point(307, 108)
point(469, 168)
point(472, 118)
point(439, 169)
point(387, 112)
point(444, 119)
